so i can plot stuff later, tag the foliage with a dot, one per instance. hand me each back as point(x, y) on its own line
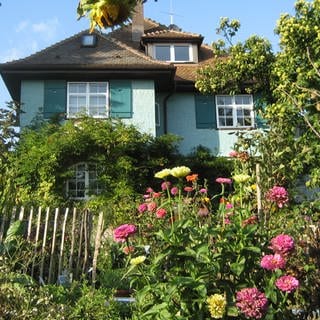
point(125, 158)
point(243, 67)
point(8, 139)
point(186, 251)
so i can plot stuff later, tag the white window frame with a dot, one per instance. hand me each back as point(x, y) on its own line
point(87, 96)
point(235, 107)
point(85, 179)
point(172, 47)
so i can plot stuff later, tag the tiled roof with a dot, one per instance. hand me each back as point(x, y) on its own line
point(108, 53)
point(114, 50)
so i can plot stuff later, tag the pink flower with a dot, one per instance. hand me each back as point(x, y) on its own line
point(203, 190)
point(287, 283)
point(252, 303)
point(224, 180)
point(146, 196)
point(122, 233)
point(157, 194)
point(229, 206)
point(161, 213)
point(279, 195)
point(149, 190)
point(142, 207)
point(282, 244)
point(233, 154)
point(227, 220)
point(152, 206)
point(273, 262)
point(188, 189)
point(165, 185)
point(174, 191)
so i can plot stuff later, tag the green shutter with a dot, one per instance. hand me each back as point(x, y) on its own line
point(259, 104)
point(55, 92)
point(205, 112)
point(120, 99)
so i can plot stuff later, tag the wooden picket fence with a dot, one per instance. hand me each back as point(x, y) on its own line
point(65, 242)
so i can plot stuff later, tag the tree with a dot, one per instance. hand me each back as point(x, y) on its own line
point(287, 81)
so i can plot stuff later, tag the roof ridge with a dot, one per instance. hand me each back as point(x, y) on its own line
point(173, 31)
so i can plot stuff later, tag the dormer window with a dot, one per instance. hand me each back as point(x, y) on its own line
point(173, 52)
point(89, 40)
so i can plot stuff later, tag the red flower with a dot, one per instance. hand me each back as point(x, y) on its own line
point(152, 206)
point(128, 249)
point(188, 189)
point(161, 213)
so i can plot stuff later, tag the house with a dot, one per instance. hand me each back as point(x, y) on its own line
point(143, 73)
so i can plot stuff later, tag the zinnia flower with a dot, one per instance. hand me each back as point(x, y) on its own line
point(122, 233)
point(142, 207)
point(233, 154)
point(241, 178)
point(151, 206)
point(279, 195)
point(161, 213)
point(203, 190)
point(224, 180)
point(180, 172)
point(252, 303)
point(287, 283)
point(282, 244)
point(192, 177)
point(128, 249)
point(174, 191)
point(217, 305)
point(163, 173)
point(137, 260)
point(165, 185)
point(188, 189)
point(273, 262)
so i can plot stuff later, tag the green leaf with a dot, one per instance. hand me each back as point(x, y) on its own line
point(15, 230)
point(232, 311)
point(238, 267)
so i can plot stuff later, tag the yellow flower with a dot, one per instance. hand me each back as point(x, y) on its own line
point(180, 172)
point(241, 178)
point(217, 305)
point(163, 173)
point(137, 260)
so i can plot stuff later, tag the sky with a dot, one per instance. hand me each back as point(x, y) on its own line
point(27, 26)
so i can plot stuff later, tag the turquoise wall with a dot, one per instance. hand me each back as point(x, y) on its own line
point(143, 102)
point(32, 97)
point(182, 122)
point(143, 106)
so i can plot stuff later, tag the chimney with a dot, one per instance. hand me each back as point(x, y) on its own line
point(138, 22)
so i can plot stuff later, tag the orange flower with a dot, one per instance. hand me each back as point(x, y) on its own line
point(192, 177)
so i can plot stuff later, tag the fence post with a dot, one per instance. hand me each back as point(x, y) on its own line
point(96, 248)
point(62, 240)
point(53, 245)
point(72, 238)
point(44, 244)
point(29, 224)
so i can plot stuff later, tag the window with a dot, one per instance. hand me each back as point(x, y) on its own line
point(235, 111)
point(173, 52)
point(84, 181)
point(90, 98)
point(88, 40)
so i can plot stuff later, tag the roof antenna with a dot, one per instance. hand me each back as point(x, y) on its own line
point(172, 26)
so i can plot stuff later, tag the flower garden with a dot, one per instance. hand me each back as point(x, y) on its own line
point(192, 255)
